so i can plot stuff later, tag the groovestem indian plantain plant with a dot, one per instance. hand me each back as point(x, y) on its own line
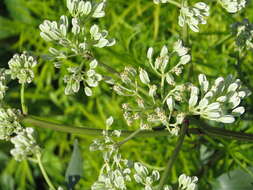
point(155, 95)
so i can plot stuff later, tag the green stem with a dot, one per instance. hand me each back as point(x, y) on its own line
point(184, 3)
point(44, 173)
point(129, 137)
point(162, 85)
point(22, 98)
point(174, 156)
point(174, 3)
point(203, 129)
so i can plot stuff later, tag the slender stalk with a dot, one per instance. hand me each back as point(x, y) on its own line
point(174, 3)
point(203, 129)
point(184, 3)
point(44, 173)
point(22, 98)
point(129, 137)
point(174, 156)
point(162, 85)
point(109, 68)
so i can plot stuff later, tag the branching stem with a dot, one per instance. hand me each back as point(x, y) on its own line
point(129, 137)
point(173, 157)
point(203, 129)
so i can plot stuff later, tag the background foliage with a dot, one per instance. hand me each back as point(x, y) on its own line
point(136, 25)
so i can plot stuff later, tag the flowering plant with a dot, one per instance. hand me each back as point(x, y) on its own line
point(159, 98)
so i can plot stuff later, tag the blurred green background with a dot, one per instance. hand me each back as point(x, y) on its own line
point(136, 25)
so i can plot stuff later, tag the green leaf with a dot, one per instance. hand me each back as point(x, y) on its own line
point(18, 11)
point(75, 167)
point(235, 180)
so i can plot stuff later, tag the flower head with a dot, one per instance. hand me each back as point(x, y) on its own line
point(193, 16)
point(243, 32)
point(187, 183)
point(3, 86)
point(233, 6)
point(21, 68)
point(24, 144)
point(219, 102)
point(9, 123)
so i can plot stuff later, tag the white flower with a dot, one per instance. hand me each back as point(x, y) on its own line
point(144, 177)
point(99, 37)
point(79, 7)
point(144, 76)
point(9, 122)
point(99, 11)
point(73, 79)
point(220, 102)
point(21, 68)
point(3, 86)
point(187, 183)
point(193, 16)
point(243, 32)
point(233, 6)
point(24, 144)
point(52, 31)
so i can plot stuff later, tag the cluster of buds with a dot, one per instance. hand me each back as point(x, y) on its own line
point(3, 86)
point(25, 144)
point(75, 76)
point(9, 123)
point(233, 6)
point(243, 32)
point(79, 8)
point(143, 176)
point(193, 16)
point(187, 183)
point(160, 65)
point(115, 172)
point(149, 109)
point(220, 102)
point(99, 37)
point(79, 39)
point(21, 68)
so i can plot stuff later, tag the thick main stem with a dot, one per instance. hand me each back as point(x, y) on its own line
point(174, 156)
point(203, 129)
point(44, 173)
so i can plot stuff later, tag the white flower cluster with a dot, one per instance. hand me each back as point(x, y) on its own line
point(79, 39)
point(21, 68)
point(115, 172)
point(219, 102)
point(193, 16)
point(160, 65)
point(78, 8)
point(233, 6)
point(76, 75)
point(143, 176)
point(187, 183)
point(3, 86)
point(243, 32)
point(149, 108)
point(25, 144)
point(9, 123)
